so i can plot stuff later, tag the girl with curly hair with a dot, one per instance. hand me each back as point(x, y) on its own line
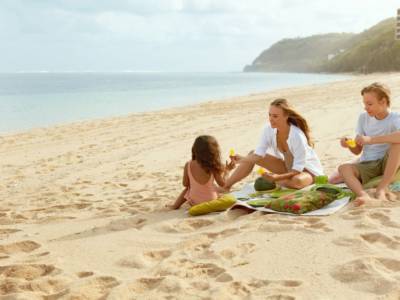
point(201, 171)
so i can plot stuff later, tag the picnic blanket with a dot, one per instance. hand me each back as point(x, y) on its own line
point(249, 195)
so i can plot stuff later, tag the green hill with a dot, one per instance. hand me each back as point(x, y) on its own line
point(374, 50)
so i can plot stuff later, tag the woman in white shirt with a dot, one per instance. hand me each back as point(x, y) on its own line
point(285, 150)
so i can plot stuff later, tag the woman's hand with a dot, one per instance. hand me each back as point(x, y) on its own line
point(270, 176)
point(230, 166)
point(236, 158)
point(363, 140)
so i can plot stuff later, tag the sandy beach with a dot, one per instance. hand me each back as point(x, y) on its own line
point(82, 211)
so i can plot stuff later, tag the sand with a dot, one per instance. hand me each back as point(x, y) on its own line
point(82, 211)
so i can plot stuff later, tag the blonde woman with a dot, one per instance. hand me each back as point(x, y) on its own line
point(285, 150)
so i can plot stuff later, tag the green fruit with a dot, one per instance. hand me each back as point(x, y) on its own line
point(262, 184)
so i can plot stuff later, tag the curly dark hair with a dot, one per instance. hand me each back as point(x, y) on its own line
point(206, 152)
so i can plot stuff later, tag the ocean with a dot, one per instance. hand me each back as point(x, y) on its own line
point(31, 100)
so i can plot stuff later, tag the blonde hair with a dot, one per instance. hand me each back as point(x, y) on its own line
point(379, 89)
point(294, 118)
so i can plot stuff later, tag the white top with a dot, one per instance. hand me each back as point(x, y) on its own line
point(371, 126)
point(304, 157)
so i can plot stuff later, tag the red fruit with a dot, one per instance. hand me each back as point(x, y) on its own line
point(296, 207)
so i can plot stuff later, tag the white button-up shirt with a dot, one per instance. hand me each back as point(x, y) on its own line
point(304, 157)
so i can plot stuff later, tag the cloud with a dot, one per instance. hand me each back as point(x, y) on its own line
point(166, 34)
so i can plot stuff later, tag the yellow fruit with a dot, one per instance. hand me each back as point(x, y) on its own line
point(231, 152)
point(351, 143)
point(260, 171)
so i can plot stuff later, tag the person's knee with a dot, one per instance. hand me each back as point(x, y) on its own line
point(394, 148)
point(298, 183)
point(345, 169)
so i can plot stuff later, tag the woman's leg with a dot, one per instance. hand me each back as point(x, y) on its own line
point(392, 165)
point(269, 162)
point(298, 181)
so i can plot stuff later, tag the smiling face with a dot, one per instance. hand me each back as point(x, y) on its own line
point(373, 106)
point(277, 117)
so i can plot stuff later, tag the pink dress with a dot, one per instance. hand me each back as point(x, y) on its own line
point(198, 193)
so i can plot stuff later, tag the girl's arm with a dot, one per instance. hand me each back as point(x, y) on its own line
point(221, 178)
point(393, 138)
point(185, 179)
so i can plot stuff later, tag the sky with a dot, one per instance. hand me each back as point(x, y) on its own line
point(166, 35)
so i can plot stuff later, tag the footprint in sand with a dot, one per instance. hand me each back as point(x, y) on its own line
point(84, 274)
point(27, 272)
point(279, 225)
point(45, 288)
point(380, 238)
point(134, 262)
point(383, 218)
point(267, 289)
point(7, 231)
point(145, 284)
point(197, 246)
point(92, 288)
point(185, 268)
point(354, 243)
point(195, 224)
point(353, 214)
point(280, 297)
point(224, 233)
point(148, 288)
point(24, 246)
point(236, 255)
point(157, 255)
point(144, 260)
point(371, 274)
point(187, 225)
point(113, 226)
